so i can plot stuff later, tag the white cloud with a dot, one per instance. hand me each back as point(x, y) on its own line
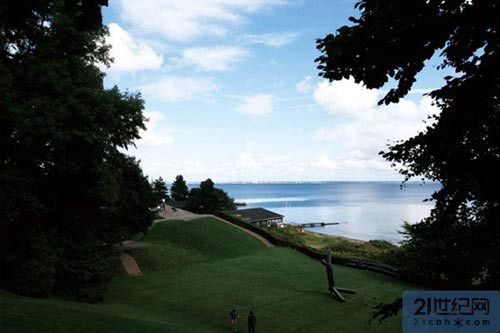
point(156, 133)
point(130, 54)
point(249, 166)
point(257, 105)
point(157, 163)
point(369, 126)
point(345, 97)
point(323, 161)
point(370, 132)
point(219, 58)
point(247, 161)
point(275, 39)
point(413, 91)
point(305, 85)
point(253, 165)
point(352, 163)
point(177, 89)
point(188, 19)
point(353, 167)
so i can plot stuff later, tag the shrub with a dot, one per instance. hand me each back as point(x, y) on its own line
point(29, 268)
point(85, 268)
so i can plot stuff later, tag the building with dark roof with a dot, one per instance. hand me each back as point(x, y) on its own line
point(256, 215)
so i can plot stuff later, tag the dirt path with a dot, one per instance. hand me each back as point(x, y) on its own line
point(178, 214)
point(257, 236)
point(130, 264)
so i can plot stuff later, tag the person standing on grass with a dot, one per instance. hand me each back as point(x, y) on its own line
point(233, 317)
point(251, 322)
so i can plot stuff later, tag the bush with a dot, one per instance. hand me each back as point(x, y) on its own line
point(29, 268)
point(85, 268)
point(378, 251)
point(286, 234)
point(381, 244)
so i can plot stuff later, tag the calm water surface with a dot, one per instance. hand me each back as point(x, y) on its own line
point(372, 210)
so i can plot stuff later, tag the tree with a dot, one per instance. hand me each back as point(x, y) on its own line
point(457, 246)
point(66, 191)
point(132, 199)
point(208, 199)
point(179, 189)
point(160, 190)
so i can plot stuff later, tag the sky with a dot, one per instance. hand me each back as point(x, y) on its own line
point(232, 92)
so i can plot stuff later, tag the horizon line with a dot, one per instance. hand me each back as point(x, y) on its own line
point(308, 181)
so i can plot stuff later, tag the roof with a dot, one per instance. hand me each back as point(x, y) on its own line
point(254, 214)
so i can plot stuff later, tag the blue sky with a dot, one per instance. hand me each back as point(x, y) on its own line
point(232, 92)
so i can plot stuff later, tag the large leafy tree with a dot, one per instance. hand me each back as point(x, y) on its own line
point(66, 191)
point(457, 246)
point(208, 199)
point(133, 196)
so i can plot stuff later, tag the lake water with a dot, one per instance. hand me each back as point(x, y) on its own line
point(371, 210)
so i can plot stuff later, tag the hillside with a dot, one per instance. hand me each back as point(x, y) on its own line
point(195, 272)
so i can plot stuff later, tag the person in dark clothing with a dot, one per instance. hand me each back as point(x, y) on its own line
point(251, 322)
point(233, 317)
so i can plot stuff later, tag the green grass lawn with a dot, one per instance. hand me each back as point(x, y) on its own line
point(195, 272)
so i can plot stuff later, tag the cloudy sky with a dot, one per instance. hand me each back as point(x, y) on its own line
point(232, 92)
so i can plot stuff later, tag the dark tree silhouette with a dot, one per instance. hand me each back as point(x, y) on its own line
point(208, 199)
point(160, 190)
point(66, 191)
point(179, 189)
point(457, 246)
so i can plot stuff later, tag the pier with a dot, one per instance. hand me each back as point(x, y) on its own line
point(319, 224)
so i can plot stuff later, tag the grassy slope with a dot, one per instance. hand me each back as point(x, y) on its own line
point(195, 272)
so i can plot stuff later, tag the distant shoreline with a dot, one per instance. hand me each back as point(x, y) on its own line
point(305, 182)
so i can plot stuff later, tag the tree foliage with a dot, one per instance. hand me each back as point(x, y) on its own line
point(160, 190)
point(66, 191)
point(132, 199)
point(457, 246)
point(208, 199)
point(179, 189)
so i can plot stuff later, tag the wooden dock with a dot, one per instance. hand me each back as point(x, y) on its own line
point(319, 224)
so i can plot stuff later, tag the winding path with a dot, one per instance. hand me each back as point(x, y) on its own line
point(257, 236)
